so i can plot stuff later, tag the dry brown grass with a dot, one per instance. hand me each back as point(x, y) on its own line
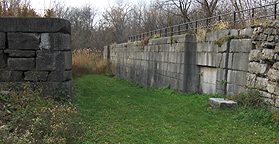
point(220, 25)
point(201, 34)
point(88, 61)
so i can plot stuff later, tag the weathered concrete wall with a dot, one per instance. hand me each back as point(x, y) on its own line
point(38, 51)
point(226, 62)
point(157, 64)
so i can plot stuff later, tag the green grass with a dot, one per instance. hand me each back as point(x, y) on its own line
point(118, 111)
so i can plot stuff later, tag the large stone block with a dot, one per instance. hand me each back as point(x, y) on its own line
point(54, 61)
point(21, 63)
point(241, 45)
point(220, 88)
point(273, 88)
point(251, 80)
point(222, 60)
point(257, 68)
point(234, 89)
point(11, 76)
point(221, 74)
point(261, 83)
point(190, 38)
point(268, 54)
point(55, 41)
point(2, 40)
point(46, 60)
point(234, 32)
point(237, 77)
point(212, 36)
point(207, 59)
point(180, 38)
point(246, 32)
point(3, 59)
point(223, 33)
point(36, 76)
point(273, 74)
point(60, 76)
point(206, 47)
point(23, 41)
point(255, 55)
point(238, 61)
point(224, 47)
point(20, 53)
point(266, 94)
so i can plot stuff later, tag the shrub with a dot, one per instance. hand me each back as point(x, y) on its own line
point(251, 98)
point(29, 118)
point(87, 61)
point(14, 9)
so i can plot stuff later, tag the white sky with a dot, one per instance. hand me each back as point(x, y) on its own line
point(40, 5)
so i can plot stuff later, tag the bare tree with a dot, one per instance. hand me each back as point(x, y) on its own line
point(182, 5)
point(117, 17)
point(208, 6)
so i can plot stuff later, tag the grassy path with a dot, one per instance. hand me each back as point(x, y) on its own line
point(117, 111)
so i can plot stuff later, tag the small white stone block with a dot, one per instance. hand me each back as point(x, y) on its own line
point(221, 103)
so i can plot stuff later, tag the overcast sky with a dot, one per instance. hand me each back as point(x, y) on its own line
point(40, 5)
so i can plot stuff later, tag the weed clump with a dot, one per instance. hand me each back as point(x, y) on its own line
point(251, 98)
point(156, 36)
point(29, 118)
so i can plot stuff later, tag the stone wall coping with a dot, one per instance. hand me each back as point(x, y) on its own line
point(35, 25)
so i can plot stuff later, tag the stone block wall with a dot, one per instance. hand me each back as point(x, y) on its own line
point(222, 58)
point(37, 51)
point(206, 63)
point(264, 61)
point(159, 63)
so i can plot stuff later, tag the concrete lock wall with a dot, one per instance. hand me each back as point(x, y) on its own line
point(227, 61)
point(36, 51)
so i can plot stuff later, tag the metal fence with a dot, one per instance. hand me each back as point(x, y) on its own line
point(237, 19)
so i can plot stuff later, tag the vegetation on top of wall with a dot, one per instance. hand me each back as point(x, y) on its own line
point(156, 36)
point(222, 40)
point(145, 41)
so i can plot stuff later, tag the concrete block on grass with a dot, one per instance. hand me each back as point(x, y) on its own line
point(221, 103)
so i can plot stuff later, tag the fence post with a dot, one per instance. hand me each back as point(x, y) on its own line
point(253, 12)
point(196, 26)
point(171, 30)
point(178, 29)
point(234, 18)
point(275, 11)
